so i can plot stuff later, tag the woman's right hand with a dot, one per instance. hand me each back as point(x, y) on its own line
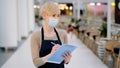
point(54, 48)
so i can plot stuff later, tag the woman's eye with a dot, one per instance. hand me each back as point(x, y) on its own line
point(54, 15)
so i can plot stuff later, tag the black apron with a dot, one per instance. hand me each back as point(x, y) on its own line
point(46, 48)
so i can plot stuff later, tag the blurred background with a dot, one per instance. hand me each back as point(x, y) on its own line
point(92, 25)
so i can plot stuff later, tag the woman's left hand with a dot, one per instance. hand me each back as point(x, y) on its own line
point(67, 56)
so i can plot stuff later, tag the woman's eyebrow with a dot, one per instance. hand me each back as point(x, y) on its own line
point(56, 15)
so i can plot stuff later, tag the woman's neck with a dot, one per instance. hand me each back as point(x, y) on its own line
point(47, 28)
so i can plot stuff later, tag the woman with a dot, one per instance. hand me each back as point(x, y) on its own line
point(41, 46)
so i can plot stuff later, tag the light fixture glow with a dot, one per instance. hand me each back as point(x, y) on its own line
point(36, 6)
point(70, 7)
point(66, 7)
point(119, 5)
point(62, 6)
point(98, 4)
point(92, 4)
point(112, 3)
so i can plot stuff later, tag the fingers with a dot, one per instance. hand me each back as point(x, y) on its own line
point(67, 56)
point(55, 47)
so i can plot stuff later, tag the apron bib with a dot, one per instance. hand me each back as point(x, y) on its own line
point(46, 48)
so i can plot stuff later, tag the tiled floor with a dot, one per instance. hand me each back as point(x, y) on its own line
point(4, 56)
point(82, 57)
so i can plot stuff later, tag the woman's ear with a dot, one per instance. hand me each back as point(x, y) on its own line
point(44, 15)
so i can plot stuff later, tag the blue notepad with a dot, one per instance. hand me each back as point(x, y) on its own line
point(57, 56)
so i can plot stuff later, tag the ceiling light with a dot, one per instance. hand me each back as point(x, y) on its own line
point(92, 4)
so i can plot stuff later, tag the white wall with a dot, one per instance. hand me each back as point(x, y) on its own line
point(23, 18)
point(31, 20)
point(8, 23)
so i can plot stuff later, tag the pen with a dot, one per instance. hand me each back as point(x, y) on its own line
point(53, 43)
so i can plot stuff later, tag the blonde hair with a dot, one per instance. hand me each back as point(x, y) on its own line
point(50, 8)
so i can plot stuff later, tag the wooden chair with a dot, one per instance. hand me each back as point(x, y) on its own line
point(81, 33)
point(109, 46)
point(117, 60)
point(87, 35)
point(86, 38)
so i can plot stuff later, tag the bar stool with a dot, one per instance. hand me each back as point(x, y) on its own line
point(109, 47)
point(86, 38)
point(82, 30)
point(117, 56)
point(118, 61)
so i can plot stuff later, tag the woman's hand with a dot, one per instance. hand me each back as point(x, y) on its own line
point(67, 56)
point(54, 48)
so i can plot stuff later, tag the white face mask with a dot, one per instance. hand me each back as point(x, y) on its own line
point(53, 21)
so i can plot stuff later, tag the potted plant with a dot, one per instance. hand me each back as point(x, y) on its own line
point(73, 20)
point(103, 29)
point(37, 18)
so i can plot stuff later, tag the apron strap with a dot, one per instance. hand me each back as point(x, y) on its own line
point(42, 34)
point(57, 34)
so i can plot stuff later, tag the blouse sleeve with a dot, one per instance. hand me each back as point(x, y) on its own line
point(35, 47)
point(65, 37)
